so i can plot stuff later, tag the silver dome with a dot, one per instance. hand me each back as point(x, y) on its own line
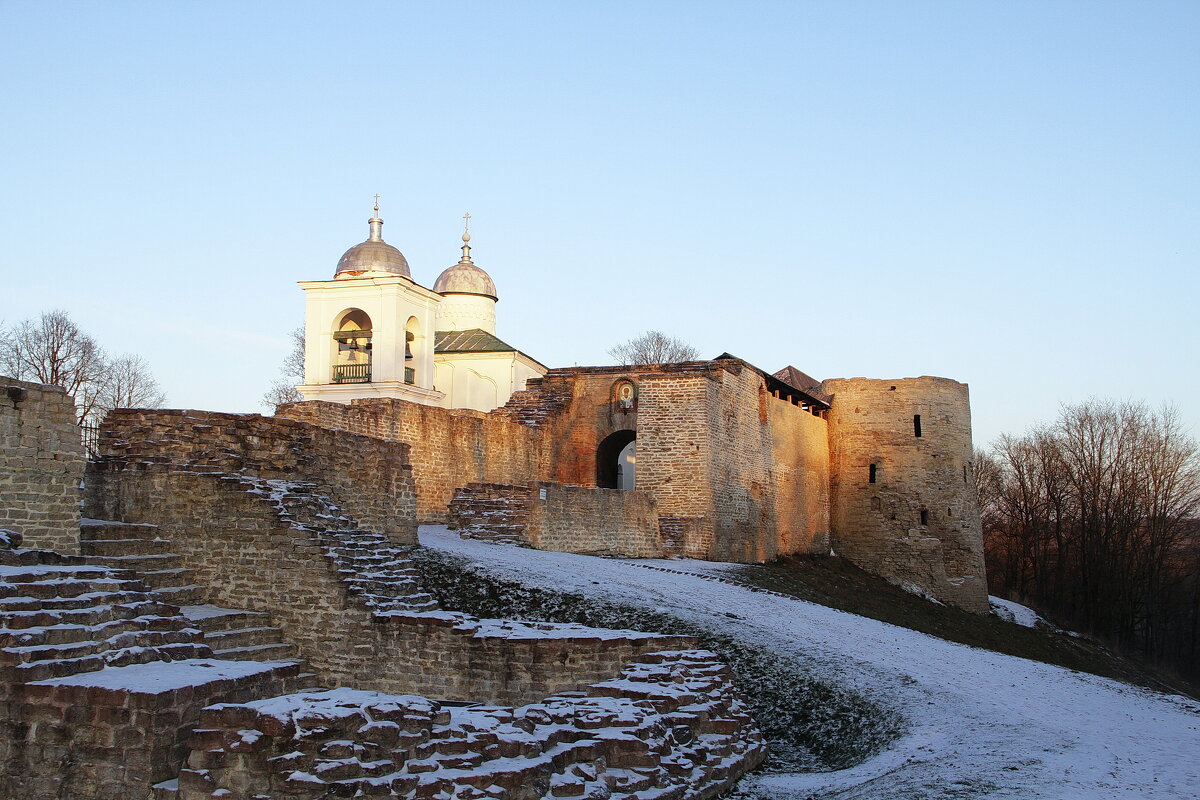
point(374, 255)
point(465, 278)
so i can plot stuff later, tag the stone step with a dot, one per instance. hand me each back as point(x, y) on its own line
point(167, 790)
point(139, 563)
point(166, 578)
point(259, 652)
point(89, 616)
point(211, 619)
point(69, 633)
point(91, 529)
point(124, 547)
point(66, 587)
point(191, 594)
point(221, 641)
point(142, 638)
point(85, 600)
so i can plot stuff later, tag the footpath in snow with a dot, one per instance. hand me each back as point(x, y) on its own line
point(980, 723)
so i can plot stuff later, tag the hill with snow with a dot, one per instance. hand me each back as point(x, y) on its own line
point(975, 723)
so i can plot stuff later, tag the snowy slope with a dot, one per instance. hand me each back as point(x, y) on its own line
point(981, 723)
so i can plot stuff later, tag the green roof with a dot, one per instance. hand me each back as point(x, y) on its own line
point(472, 341)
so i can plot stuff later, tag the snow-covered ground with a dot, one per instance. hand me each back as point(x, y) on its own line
point(1015, 612)
point(980, 723)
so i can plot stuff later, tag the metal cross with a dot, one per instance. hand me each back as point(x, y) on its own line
point(377, 203)
point(466, 223)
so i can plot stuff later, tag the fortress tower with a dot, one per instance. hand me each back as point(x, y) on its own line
point(902, 493)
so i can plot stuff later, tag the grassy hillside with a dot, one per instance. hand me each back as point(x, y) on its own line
point(833, 582)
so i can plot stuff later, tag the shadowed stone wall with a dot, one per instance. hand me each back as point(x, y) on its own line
point(369, 477)
point(41, 465)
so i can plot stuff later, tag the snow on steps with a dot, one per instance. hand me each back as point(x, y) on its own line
point(141, 549)
point(100, 671)
point(670, 726)
point(369, 565)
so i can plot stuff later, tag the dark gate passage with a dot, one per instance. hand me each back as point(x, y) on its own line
point(612, 459)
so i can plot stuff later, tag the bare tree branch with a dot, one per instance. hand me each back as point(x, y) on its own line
point(653, 347)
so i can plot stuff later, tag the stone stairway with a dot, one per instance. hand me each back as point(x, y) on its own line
point(370, 566)
point(100, 679)
point(234, 634)
point(493, 512)
point(141, 550)
point(240, 635)
point(534, 404)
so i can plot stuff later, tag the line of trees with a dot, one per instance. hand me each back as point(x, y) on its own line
point(52, 349)
point(1094, 520)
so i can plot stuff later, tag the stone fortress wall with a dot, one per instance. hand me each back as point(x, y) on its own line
point(41, 465)
point(370, 477)
point(735, 468)
point(107, 687)
point(448, 448)
point(904, 501)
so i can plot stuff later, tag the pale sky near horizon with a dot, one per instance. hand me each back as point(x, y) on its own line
point(1002, 193)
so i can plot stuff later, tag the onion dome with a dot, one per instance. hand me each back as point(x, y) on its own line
point(373, 255)
point(464, 277)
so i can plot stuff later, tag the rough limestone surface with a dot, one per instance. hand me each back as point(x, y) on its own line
point(41, 465)
point(449, 447)
point(100, 682)
point(671, 725)
point(565, 519)
point(917, 523)
point(370, 477)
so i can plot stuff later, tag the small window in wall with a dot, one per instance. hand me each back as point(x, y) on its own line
point(917, 425)
point(876, 504)
point(872, 473)
point(924, 517)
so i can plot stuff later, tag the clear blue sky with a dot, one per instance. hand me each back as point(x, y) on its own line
point(1000, 192)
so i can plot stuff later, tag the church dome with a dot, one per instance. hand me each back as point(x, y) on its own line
point(373, 255)
point(464, 277)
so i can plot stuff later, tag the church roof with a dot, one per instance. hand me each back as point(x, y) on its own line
point(373, 255)
point(465, 278)
point(474, 340)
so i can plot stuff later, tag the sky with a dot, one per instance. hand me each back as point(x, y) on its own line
point(1004, 193)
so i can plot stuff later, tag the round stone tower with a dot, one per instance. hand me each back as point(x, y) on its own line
point(903, 499)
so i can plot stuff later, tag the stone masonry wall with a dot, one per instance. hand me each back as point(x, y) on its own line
point(918, 524)
point(675, 453)
point(770, 471)
point(41, 465)
point(249, 557)
point(606, 522)
point(449, 448)
point(370, 477)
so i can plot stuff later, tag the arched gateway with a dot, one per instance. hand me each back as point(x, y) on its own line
point(616, 461)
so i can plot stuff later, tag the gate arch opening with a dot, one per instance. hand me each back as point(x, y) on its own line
point(616, 461)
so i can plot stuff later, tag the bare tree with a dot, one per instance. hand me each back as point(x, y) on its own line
point(129, 384)
point(653, 347)
point(283, 389)
point(52, 349)
point(1095, 520)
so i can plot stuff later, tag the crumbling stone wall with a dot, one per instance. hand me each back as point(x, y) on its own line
point(564, 519)
point(371, 478)
point(918, 523)
point(231, 532)
point(41, 465)
point(671, 725)
point(606, 522)
point(448, 448)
